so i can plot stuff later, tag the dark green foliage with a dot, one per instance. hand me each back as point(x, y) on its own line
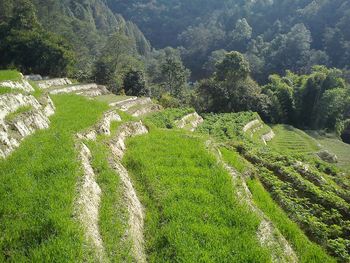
point(318, 100)
point(232, 68)
point(274, 35)
point(134, 83)
point(174, 76)
point(28, 47)
point(230, 89)
point(117, 57)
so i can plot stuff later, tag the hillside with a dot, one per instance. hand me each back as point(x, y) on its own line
point(85, 27)
point(274, 35)
point(89, 176)
point(174, 131)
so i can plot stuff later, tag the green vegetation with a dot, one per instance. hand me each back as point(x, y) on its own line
point(192, 213)
point(10, 117)
point(274, 35)
point(227, 126)
point(37, 91)
point(313, 194)
point(319, 204)
point(112, 213)
point(37, 189)
point(5, 90)
point(110, 98)
point(13, 75)
point(166, 118)
point(28, 46)
point(334, 145)
point(305, 249)
point(293, 141)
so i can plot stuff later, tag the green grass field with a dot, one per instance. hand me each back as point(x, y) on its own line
point(192, 214)
point(292, 141)
point(113, 215)
point(306, 250)
point(334, 145)
point(9, 75)
point(166, 119)
point(110, 98)
point(37, 189)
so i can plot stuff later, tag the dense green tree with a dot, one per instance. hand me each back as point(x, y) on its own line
point(215, 57)
point(231, 89)
point(28, 47)
point(234, 67)
point(175, 77)
point(283, 108)
point(297, 34)
point(335, 104)
point(241, 35)
point(134, 83)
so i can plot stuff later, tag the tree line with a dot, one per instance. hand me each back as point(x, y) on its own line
point(272, 70)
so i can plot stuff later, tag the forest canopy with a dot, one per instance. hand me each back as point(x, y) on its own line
point(287, 60)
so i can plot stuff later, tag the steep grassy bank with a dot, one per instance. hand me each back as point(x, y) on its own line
point(292, 141)
point(305, 249)
point(37, 189)
point(112, 213)
point(192, 214)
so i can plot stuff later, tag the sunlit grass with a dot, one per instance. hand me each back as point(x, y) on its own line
point(113, 215)
point(19, 111)
point(38, 187)
point(192, 214)
point(306, 250)
point(13, 75)
point(291, 140)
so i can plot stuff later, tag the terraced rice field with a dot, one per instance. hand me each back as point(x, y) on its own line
point(294, 141)
point(192, 213)
point(110, 98)
point(334, 145)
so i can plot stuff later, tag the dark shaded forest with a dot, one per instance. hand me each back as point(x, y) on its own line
point(287, 60)
point(274, 35)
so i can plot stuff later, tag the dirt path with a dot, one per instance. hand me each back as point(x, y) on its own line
point(135, 208)
point(88, 203)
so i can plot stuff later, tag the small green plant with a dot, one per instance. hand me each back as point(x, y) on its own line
point(6, 90)
point(166, 118)
point(10, 117)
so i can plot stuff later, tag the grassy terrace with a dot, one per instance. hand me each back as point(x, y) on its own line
point(110, 98)
point(306, 250)
point(37, 189)
point(113, 215)
point(291, 140)
point(334, 145)
point(167, 117)
point(192, 214)
point(9, 75)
